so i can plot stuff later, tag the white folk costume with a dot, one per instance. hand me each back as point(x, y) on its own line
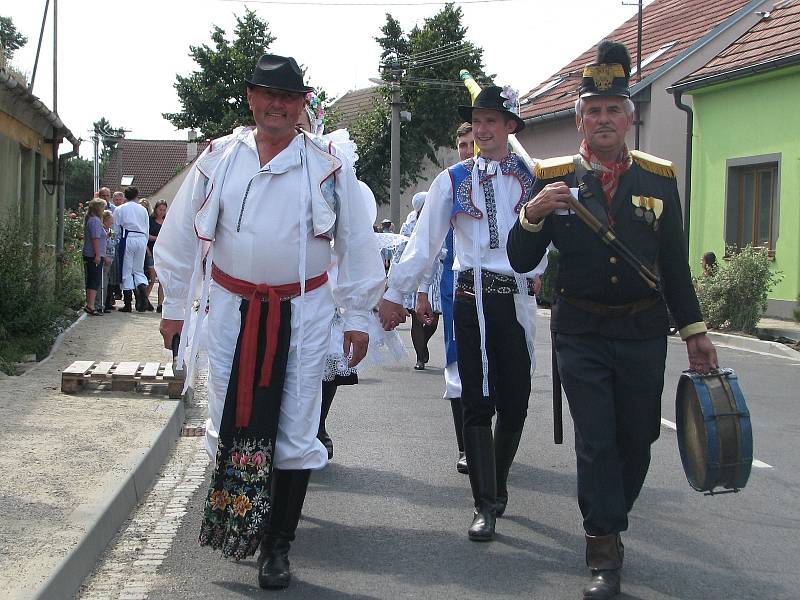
point(494, 307)
point(133, 222)
point(270, 229)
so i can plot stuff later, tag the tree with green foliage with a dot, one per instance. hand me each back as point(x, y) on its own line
point(10, 39)
point(429, 59)
point(213, 97)
point(78, 181)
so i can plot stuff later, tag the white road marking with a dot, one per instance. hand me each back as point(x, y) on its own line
point(758, 464)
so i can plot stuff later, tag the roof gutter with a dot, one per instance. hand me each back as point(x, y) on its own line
point(734, 74)
point(21, 92)
point(687, 184)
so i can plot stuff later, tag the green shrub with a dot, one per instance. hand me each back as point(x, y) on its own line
point(31, 314)
point(735, 296)
point(546, 294)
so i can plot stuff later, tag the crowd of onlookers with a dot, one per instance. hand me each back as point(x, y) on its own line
point(103, 253)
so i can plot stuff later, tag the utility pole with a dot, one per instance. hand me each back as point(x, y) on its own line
point(394, 72)
point(394, 190)
point(637, 118)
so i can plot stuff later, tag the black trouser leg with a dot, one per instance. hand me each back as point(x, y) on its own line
point(458, 423)
point(289, 493)
point(418, 339)
point(328, 392)
point(613, 388)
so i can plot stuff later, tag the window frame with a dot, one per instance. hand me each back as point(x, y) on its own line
point(736, 169)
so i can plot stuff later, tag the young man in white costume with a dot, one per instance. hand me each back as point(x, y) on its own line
point(133, 222)
point(494, 309)
point(266, 201)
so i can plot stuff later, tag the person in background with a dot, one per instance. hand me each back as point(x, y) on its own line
point(104, 301)
point(147, 267)
point(132, 219)
point(156, 221)
point(709, 264)
point(94, 248)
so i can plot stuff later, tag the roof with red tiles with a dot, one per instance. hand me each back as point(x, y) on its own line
point(151, 163)
point(669, 27)
point(353, 104)
point(776, 36)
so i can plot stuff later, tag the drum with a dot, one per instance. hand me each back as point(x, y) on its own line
point(715, 438)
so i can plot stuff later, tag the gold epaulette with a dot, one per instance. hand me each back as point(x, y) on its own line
point(554, 167)
point(651, 163)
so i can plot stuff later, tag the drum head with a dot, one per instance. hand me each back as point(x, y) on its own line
point(692, 437)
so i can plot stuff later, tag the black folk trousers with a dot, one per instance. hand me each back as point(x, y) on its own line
point(509, 362)
point(613, 388)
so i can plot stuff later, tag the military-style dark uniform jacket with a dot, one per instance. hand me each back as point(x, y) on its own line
point(646, 216)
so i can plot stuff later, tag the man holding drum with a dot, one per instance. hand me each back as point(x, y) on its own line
point(609, 325)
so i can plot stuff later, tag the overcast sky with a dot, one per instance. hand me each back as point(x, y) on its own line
point(119, 58)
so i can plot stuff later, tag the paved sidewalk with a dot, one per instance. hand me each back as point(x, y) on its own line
point(75, 465)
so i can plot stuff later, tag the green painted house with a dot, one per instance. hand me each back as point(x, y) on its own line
point(745, 165)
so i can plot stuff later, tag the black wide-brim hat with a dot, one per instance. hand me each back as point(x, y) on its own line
point(490, 99)
point(279, 73)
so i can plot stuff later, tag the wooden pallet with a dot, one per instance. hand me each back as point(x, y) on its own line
point(123, 376)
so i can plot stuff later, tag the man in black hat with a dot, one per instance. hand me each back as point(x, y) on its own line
point(609, 325)
point(494, 326)
point(248, 239)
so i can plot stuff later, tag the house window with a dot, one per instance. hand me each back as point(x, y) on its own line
point(753, 205)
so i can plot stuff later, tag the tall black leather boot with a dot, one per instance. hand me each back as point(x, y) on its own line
point(505, 449)
point(604, 555)
point(141, 297)
point(479, 447)
point(127, 298)
point(458, 422)
point(328, 392)
point(287, 505)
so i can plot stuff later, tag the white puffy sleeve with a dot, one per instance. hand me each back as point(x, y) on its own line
point(361, 278)
point(425, 243)
point(176, 249)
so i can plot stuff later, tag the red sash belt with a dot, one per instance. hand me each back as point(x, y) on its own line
point(256, 294)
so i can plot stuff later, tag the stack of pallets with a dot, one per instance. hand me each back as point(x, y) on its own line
point(123, 376)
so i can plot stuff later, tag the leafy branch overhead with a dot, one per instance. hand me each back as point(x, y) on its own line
point(213, 97)
point(428, 60)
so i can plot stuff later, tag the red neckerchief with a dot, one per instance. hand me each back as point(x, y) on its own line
point(608, 173)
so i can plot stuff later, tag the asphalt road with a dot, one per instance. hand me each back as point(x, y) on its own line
point(388, 518)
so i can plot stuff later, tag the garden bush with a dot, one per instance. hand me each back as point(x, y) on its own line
point(735, 296)
point(31, 311)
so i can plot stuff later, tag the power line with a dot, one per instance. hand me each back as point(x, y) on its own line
point(439, 50)
point(440, 59)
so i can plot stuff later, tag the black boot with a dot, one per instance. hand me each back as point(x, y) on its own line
point(287, 504)
point(479, 446)
point(604, 555)
point(458, 421)
point(127, 297)
point(141, 297)
point(328, 392)
point(505, 448)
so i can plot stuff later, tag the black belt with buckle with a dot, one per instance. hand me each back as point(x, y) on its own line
point(491, 283)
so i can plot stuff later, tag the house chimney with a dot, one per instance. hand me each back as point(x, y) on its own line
point(191, 147)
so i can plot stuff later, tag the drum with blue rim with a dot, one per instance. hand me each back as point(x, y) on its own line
point(715, 438)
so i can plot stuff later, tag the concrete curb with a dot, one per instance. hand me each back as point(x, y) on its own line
point(68, 576)
point(737, 342)
point(740, 342)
